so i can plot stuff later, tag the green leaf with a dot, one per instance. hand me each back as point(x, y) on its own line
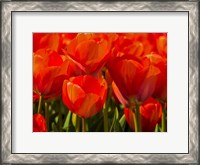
point(118, 127)
point(54, 127)
point(122, 122)
point(67, 121)
point(113, 121)
point(116, 114)
point(156, 128)
point(74, 117)
point(56, 119)
point(76, 121)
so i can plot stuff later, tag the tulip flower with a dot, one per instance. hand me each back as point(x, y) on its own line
point(49, 72)
point(162, 46)
point(150, 114)
point(134, 80)
point(35, 97)
point(159, 62)
point(140, 44)
point(89, 52)
point(39, 123)
point(66, 38)
point(125, 45)
point(46, 41)
point(84, 95)
point(54, 41)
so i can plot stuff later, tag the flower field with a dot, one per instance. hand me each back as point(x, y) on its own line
point(99, 82)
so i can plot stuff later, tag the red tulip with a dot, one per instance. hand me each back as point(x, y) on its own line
point(110, 38)
point(54, 41)
point(162, 45)
point(39, 123)
point(150, 114)
point(161, 84)
point(49, 72)
point(139, 44)
point(134, 80)
point(46, 41)
point(36, 97)
point(72, 67)
point(84, 95)
point(126, 45)
point(67, 37)
point(89, 52)
point(134, 77)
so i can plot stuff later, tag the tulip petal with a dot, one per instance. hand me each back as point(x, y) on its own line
point(118, 94)
point(149, 83)
point(162, 46)
point(84, 95)
point(90, 106)
point(129, 115)
point(89, 51)
point(46, 40)
point(49, 71)
point(74, 92)
point(39, 123)
point(129, 76)
point(151, 113)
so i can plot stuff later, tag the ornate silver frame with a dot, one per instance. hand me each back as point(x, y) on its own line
point(7, 7)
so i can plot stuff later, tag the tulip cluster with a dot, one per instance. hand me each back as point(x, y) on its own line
point(99, 82)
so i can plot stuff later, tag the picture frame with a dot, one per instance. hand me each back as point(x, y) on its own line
point(8, 8)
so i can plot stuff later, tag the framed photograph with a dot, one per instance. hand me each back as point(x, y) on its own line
point(96, 82)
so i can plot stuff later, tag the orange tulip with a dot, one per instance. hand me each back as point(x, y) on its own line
point(49, 72)
point(162, 45)
point(84, 95)
point(54, 41)
point(150, 114)
point(139, 44)
point(46, 41)
point(126, 45)
point(39, 123)
point(88, 51)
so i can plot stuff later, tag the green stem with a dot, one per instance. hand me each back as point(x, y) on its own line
point(83, 125)
point(68, 120)
point(164, 128)
point(105, 119)
point(47, 115)
point(137, 120)
point(78, 123)
point(156, 128)
point(40, 104)
point(112, 124)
